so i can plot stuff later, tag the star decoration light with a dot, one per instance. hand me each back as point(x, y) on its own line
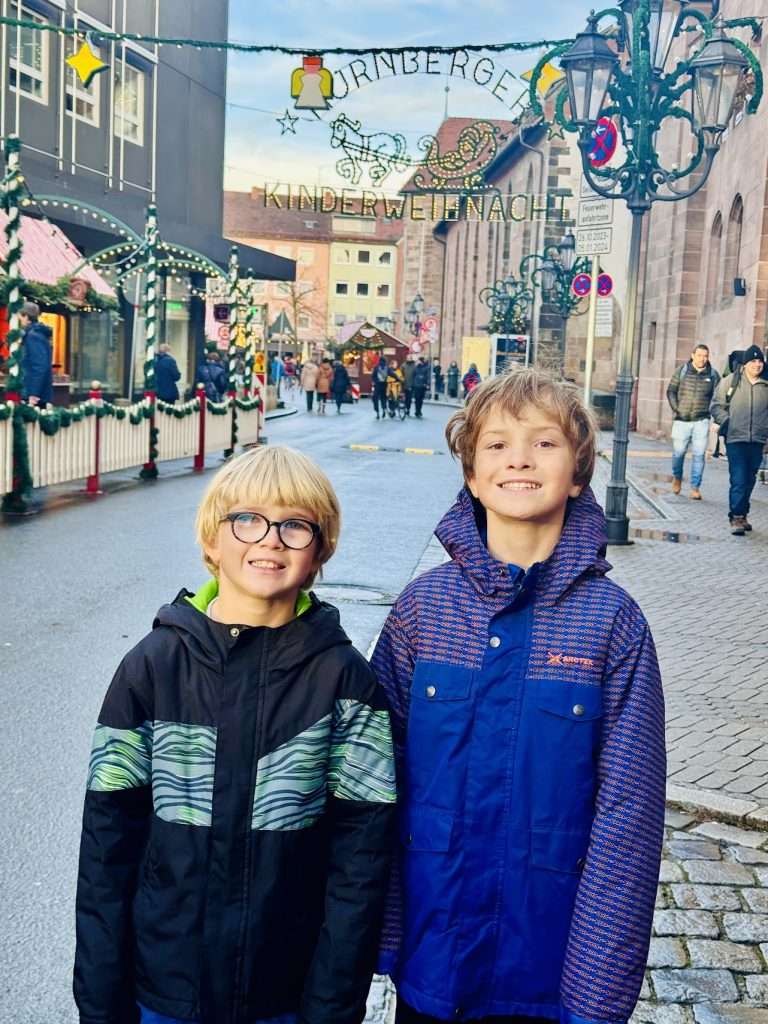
point(555, 131)
point(550, 75)
point(287, 123)
point(86, 64)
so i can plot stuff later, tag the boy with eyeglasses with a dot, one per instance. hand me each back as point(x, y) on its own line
point(241, 791)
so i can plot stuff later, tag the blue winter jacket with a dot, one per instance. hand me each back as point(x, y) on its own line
point(529, 727)
point(166, 374)
point(36, 360)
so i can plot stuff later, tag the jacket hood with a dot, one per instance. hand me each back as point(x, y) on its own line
point(40, 328)
point(316, 628)
point(580, 550)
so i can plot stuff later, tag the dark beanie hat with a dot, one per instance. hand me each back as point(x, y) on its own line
point(753, 352)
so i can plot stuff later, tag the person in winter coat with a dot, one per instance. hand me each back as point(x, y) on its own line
point(212, 375)
point(452, 380)
point(324, 381)
point(420, 385)
point(409, 371)
point(741, 406)
point(528, 720)
point(309, 372)
point(339, 384)
point(36, 357)
point(395, 386)
point(239, 807)
point(690, 393)
point(470, 380)
point(166, 375)
point(379, 378)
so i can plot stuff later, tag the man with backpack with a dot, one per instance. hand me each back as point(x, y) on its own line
point(740, 406)
point(690, 393)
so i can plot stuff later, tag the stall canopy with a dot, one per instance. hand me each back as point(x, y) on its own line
point(48, 255)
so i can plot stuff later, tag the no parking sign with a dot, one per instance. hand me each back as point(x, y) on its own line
point(605, 140)
point(581, 285)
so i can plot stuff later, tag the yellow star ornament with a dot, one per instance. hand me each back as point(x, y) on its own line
point(86, 64)
point(550, 75)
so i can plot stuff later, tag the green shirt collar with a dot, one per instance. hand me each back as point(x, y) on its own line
point(210, 590)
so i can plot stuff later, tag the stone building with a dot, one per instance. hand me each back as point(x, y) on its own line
point(707, 257)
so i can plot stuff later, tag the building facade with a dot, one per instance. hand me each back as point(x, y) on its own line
point(707, 257)
point(94, 158)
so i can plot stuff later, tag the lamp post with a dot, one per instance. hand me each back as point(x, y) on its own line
point(629, 81)
point(554, 271)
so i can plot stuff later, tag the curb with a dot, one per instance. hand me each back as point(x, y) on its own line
point(710, 804)
point(279, 414)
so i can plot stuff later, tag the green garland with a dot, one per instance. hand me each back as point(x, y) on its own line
point(218, 408)
point(180, 412)
point(149, 470)
point(16, 500)
point(248, 404)
point(56, 295)
point(293, 51)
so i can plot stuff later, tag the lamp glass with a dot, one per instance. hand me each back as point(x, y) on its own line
point(567, 251)
point(716, 89)
point(601, 79)
point(418, 303)
point(548, 277)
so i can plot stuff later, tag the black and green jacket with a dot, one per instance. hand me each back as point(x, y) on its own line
point(236, 832)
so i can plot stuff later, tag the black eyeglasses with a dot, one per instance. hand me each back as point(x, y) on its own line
point(251, 527)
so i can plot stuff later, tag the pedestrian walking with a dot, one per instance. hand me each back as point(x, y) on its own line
point(340, 384)
point(470, 380)
point(200, 896)
point(528, 717)
point(36, 357)
point(690, 393)
point(409, 371)
point(278, 373)
point(212, 375)
point(309, 375)
point(437, 374)
point(167, 374)
point(420, 385)
point(741, 407)
point(395, 386)
point(324, 381)
point(452, 380)
point(379, 379)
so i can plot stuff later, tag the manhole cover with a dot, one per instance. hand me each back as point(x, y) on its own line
point(352, 593)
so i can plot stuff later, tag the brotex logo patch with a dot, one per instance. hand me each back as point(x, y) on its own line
point(569, 661)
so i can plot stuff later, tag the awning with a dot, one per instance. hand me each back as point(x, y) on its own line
point(47, 255)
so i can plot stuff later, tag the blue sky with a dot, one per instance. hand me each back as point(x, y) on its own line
point(259, 90)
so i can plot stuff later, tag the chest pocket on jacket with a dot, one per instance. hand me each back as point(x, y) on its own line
point(439, 731)
point(566, 743)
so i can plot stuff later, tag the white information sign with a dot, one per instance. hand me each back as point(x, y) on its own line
point(604, 322)
point(594, 241)
point(595, 213)
point(587, 192)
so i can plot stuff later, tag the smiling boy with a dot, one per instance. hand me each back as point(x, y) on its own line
point(236, 834)
point(528, 722)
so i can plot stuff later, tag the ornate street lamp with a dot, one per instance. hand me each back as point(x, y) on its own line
point(629, 81)
point(509, 301)
point(554, 271)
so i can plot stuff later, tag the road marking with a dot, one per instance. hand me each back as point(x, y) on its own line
point(383, 448)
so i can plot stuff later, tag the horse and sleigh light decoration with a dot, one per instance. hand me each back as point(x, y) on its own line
point(381, 153)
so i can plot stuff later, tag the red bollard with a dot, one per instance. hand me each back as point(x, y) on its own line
point(92, 484)
point(199, 463)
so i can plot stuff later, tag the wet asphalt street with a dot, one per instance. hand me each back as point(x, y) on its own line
point(81, 584)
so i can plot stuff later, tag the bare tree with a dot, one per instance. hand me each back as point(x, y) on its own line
point(297, 304)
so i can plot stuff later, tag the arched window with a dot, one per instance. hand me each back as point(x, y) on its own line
point(732, 262)
point(714, 266)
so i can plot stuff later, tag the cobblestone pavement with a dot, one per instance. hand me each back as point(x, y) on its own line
point(704, 597)
point(707, 961)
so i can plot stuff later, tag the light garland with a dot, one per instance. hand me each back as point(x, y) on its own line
point(293, 51)
point(150, 298)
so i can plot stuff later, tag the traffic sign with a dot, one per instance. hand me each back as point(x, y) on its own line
point(224, 332)
point(594, 241)
point(604, 285)
point(581, 285)
point(605, 139)
point(595, 213)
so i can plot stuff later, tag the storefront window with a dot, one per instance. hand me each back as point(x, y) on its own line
point(96, 347)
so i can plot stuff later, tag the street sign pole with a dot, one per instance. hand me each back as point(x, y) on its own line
point(592, 323)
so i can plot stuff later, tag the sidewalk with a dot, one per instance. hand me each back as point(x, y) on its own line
point(704, 597)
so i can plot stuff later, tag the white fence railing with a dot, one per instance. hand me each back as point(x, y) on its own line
point(107, 441)
point(6, 456)
point(69, 454)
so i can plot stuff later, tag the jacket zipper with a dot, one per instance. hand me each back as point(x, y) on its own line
point(239, 1002)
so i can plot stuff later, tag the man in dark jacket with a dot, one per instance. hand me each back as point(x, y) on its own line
point(36, 356)
point(212, 375)
point(741, 403)
point(166, 375)
point(409, 371)
point(420, 384)
point(379, 379)
point(690, 393)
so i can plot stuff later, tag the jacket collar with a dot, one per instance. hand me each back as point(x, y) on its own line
point(581, 549)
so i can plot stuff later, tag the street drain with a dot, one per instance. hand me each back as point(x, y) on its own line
point(352, 593)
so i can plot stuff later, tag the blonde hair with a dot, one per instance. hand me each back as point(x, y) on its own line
point(511, 392)
point(271, 476)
